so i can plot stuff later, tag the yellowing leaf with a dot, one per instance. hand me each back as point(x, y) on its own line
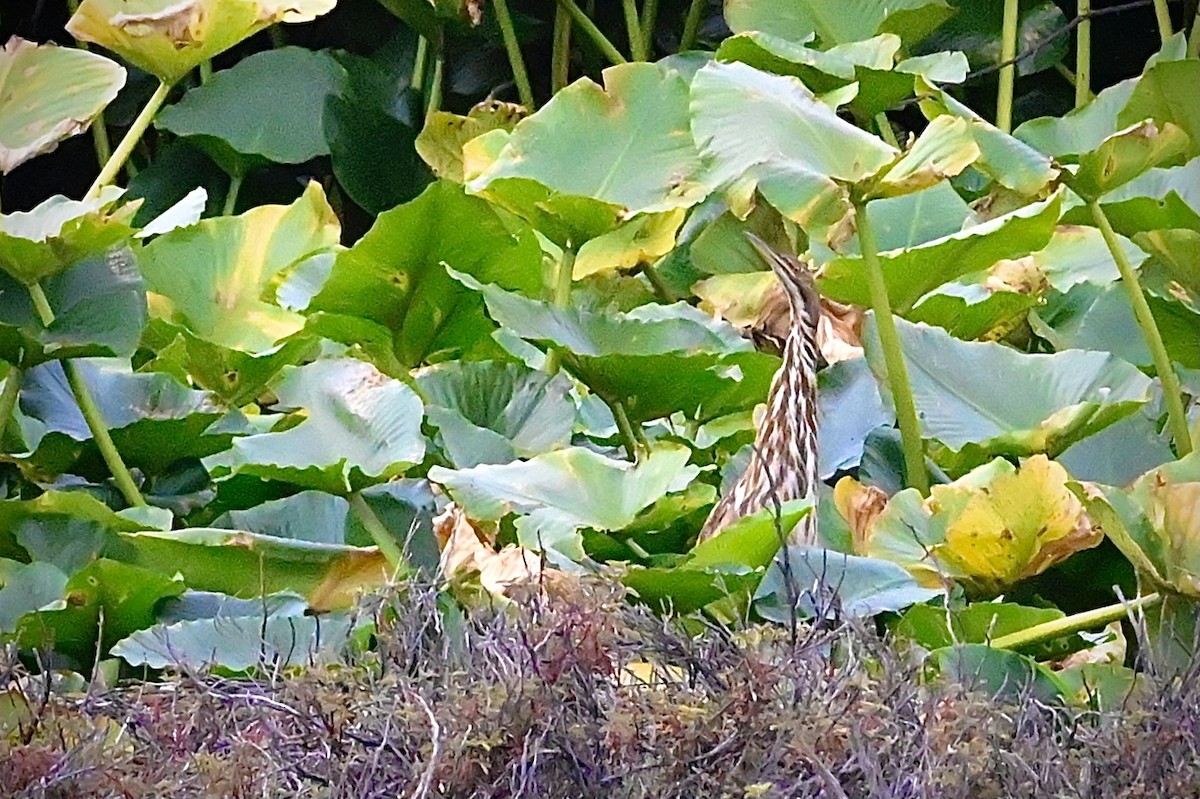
point(645, 238)
point(440, 143)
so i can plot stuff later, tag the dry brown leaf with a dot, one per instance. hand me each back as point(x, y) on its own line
point(859, 505)
point(466, 551)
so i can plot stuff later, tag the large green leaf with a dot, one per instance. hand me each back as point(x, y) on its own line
point(801, 20)
point(288, 88)
point(491, 412)
point(213, 278)
point(59, 232)
point(1161, 198)
point(912, 272)
point(358, 428)
point(66, 528)
point(1127, 154)
point(169, 39)
point(395, 276)
point(848, 409)
point(933, 627)
point(1049, 401)
point(654, 360)
point(36, 110)
point(99, 307)
point(999, 673)
point(559, 492)
point(26, 587)
point(1166, 93)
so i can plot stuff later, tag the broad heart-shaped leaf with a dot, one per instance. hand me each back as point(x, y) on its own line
point(1155, 522)
point(1166, 93)
point(154, 419)
point(36, 112)
point(168, 39)
point(912, 272)
point(288, 88)
point(770, 132)
point(99, 308)
point(492, 412)
point(559, 492)
point(1049, 401)
point(359, 428)
point(800, 21)
point(828, 583)
point(976, 30)
point(58, 232)
point(1127, 154)
point(440, 143)
point(395, 275)
point(66, 528)
point(211, 278)
point(641, 158)
point(655, 360)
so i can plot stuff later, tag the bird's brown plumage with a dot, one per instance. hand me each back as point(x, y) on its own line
point(783, 464)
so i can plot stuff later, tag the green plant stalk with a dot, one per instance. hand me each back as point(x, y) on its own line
point(633, 29)
point(628, 436)
point(1163, 15)
point(1193, 42)
point(515, 60)
point(560, 297)
point(435, 81)
point(893, 357)
point(590, 30)
point(1008, 72)
point(379, 533)
point(231, 195)
point(8, 398)
point(1040, 633)
point(1083, 54)
point(1172, 391)
point(89, 409)
point(691, 25)
point(419, 64)
point(120, 155)
point(100, 142)
point(885, 129)
point(649, 23)
point(560, 55)
point(205, 71)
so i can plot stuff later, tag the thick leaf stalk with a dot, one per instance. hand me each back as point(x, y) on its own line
point(606, 48)
point(379, 533)
point(132, 136)
point(1083, 54)
point(560, 297)
point(91, 411)
point(1172, 391)
point(691, 25)
point(893, 356)
point(1008, 68)
point(1078, 622)
point(515, 60)
point(560, 55)
point(8, 398)
point(1163, 16)
point(649, 23)
point(633, 29)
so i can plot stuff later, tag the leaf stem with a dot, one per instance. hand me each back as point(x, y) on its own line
point(1193, 42)
point(383, 538)
point(560, 56)
point(89, 409)
point(691, 25)
point(1176, 417)
point(419, 65)
point(515, 60)
point(590, 30)
point(633, 30)
point(1008, 72)
point(231, 195)
point(1083, 54)
point(1048, 631)
point(560, 297)
point(1163, 15)
point(885, 129)
point(893, 357)
point(632, 443)
point(100, 142)
point(435, 80)
point(120, 155)
point(8, 398)
point(206, 72)
point(649, 24)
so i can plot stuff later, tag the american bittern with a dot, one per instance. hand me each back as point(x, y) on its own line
point(783, 464)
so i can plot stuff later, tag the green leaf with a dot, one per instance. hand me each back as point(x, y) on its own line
point(999, 673)
point(169, 39)
point(976, 30)
point(978, 623)
point(36, 109)
point(491, 412)
point(288, 87)
point(1166, 93)
point(1127, 154)
point(848, 409)
point(559, 492)
point(99, 305)
point(440, 143)
point(154, 419)
point(26, 587)
point(359, 428)
point(800, 21)
point(68, 529)
point(1049, 401)
point(944, 149)
point(212, 277)
point(395, 276)
point(1164, 198)
point(59, 232)
point(912, 272)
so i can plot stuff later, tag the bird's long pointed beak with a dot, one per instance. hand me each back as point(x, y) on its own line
point(765, 251)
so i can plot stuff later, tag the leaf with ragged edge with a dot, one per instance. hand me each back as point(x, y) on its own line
point(1155, 522)
point(169, 39)
point(800, 152)
point(99, 305)
point(492, 412)
point(1049, 401)
point(359, 428)
point(154, 419)
point(288, 86)
point(36, 114)
point(557, 493)
point(440, 142)
point(1166, 93)
point(1127, 154)
point(912, 20)
point(641, 155)
point(395, 276)
point(655, 360)
point(944, 149)
point(210, 278)
point(1158, 199)
point(59, 232)
point(912, 272)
